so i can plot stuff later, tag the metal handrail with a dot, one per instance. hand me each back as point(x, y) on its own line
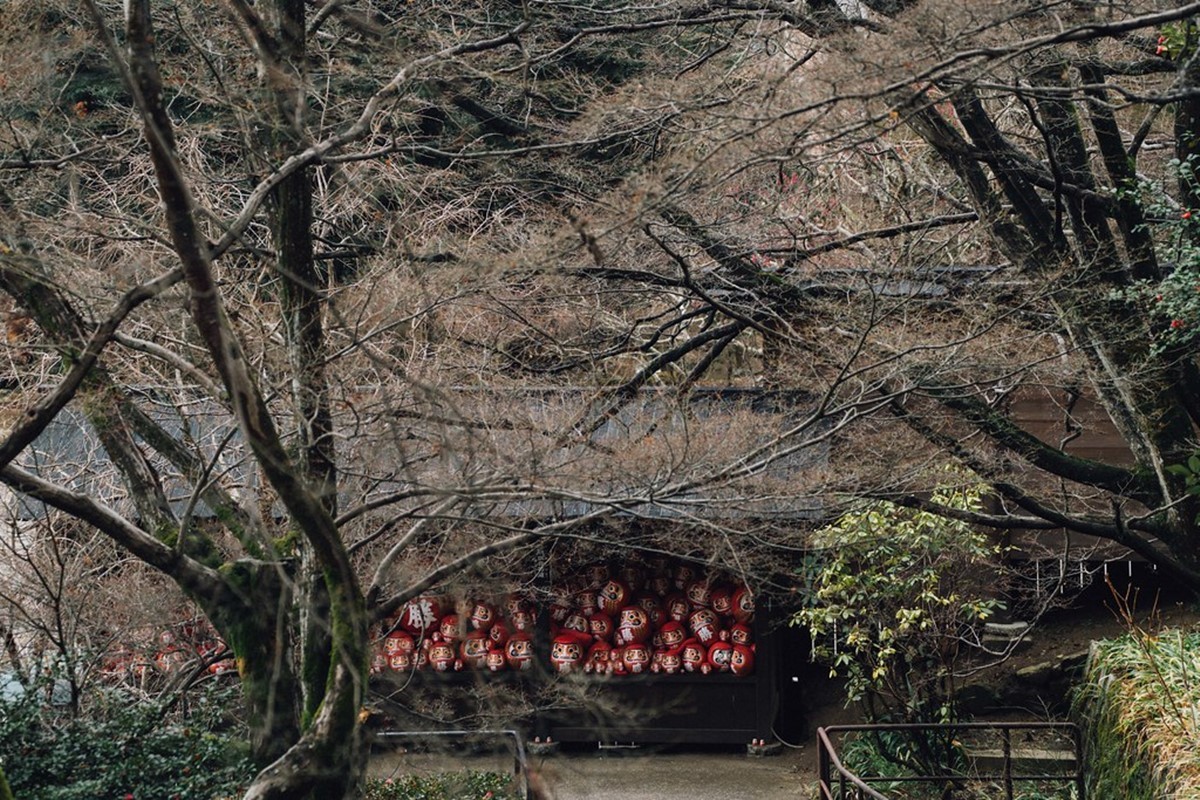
point(830, 765)
point(520, 759)
point(827, 757)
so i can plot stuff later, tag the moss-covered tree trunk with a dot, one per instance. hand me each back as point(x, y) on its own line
point(255, 620)
point(302, 301)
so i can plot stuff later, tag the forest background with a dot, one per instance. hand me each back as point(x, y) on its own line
point(338, 301)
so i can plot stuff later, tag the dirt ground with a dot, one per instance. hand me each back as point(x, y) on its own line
point(1098, 615)
point(595, 773)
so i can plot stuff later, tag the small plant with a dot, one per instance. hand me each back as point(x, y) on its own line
point(472, 785)
point(892, 591)
point(873, 755)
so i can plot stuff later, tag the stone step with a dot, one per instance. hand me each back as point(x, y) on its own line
point(1025, 760)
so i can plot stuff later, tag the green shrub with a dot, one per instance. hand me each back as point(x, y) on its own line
point(446, 786)
point(891, 591)
point(119, 748)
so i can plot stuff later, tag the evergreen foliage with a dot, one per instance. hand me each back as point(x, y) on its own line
point(122, 749)
point(891, 590)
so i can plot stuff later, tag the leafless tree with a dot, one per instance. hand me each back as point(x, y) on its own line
point(981, 216)
point(251, 275)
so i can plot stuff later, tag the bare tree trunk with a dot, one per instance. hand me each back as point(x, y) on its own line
point(301, 298)
point(14, 655)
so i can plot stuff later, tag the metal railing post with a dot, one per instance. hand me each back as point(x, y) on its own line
point(823, 770)
point(1006, 748)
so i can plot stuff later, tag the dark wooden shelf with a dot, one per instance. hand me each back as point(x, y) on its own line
point(654, 708)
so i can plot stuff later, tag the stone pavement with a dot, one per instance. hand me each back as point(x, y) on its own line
point(714, 775)
point(637, 774)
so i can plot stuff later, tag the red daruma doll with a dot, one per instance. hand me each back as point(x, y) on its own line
point(741, 633)
point(398, 640)
point(722, 600)
point(616, 666)
point(566, 652)
point(523, 620)
point(704, 625)
point(498, 634)
point(719, 656)
point(518, 651)
point(421, 614)
point(585, 601)
point(743, 604)
point(672, 661)
point(442, 657)
point(576, 623)
point(597, 658)
point(495, 660)
point(634, 625)
point(684, 574)
point(613, 595)
point(601, 627)
point(653, 608)
point(699, 594)
point(672, 634)
point(450, 630)
point(677, 607)
point(474, 649)
point(694, 656)
point(636, 658)
point(401, 661)
point(483, 616)
point(741, 660)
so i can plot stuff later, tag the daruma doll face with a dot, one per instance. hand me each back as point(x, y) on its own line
point(519, 652)
point(566, 654)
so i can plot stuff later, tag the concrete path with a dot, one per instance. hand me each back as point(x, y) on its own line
point(637, 774)
point(678, 776)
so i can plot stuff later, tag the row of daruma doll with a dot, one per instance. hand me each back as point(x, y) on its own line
point(177, 647)
point(601, 622)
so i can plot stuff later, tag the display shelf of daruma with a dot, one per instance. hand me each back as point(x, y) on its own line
point(679, 647)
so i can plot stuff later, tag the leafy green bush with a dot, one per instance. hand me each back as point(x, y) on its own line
point(1172, 302)
point(120, 748)
point(446, 786)
point(891, 593)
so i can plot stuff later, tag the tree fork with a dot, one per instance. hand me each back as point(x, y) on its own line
point(328, 758)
